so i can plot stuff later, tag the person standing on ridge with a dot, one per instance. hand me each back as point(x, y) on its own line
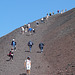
point(22, 30)
point(41, 45)
point(27, 65)
point(53, 12)
point(26, 28)
point(30, 43)
point(37, 23)
point(57, 11)
point(42, 20)
point(33, 30)
point(29, 25)
point(13, 44)
point(50, 14)
point(30, 30)
point(65, 10)
point(47, 16)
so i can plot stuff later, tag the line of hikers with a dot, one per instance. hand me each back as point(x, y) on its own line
point(13, 48)
point(27, 28)
point(50, 14)
point(27, 62)
point(30, 44)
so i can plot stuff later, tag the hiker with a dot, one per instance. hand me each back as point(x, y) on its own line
point(30, 43)
point(33, 30)
point(27, 65)
point(29, 25)
point(11, 54)
point(61, 11)
point(37, 23)
point(57, 11)
point(41, 45)
point(13, 44)
point(50, 14)
point(47, 16)
point(42, 20)
point(30, 30)
point(53, 13)
point(22, 30)
point(65, 10)
point(26, 29)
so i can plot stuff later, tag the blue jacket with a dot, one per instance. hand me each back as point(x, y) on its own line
point(30, 29)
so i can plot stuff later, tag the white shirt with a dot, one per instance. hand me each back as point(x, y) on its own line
point(28, 64)
point(22, 28)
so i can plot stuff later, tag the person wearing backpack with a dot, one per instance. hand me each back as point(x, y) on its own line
point(41, 45)
point(30, 30)
point(57, 11)
point(50, 14)
point(22, 30)
point(37, 23)
point(11, 54)
point(13, 44)
point(30, 43)
point(47, 16)
point(33, 30)
point(27, 65)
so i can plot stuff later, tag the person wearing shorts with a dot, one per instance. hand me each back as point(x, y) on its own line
point(27, 65)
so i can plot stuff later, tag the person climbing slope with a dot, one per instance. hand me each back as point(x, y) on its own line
point(30, 43)
point(22, 30)
point(27, 65)
point(47, 16)
point(50, 14)
point(41, 45)
point(29, 25)
point(13, 44)
point(33, 30)
point(42, 20)
point(30, 30)
point(11, 54)
point(37, 23)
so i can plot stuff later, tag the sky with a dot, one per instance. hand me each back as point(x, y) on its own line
point(16, 13)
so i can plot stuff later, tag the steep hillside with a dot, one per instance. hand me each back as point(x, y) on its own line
point(60, 43)
point(58, 58)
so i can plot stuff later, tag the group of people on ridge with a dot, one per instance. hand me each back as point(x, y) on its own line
point(27, 62)
point(27, 28)
point(58, 11)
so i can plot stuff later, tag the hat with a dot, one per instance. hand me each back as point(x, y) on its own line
point(13, 39)
point(28, 57)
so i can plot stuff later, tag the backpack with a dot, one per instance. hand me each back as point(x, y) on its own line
point(41, 45)
point(30, 43)
point(14, 43)
point(9, 53)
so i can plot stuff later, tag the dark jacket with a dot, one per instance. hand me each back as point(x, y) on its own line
point(41, 45)
point(30, 43)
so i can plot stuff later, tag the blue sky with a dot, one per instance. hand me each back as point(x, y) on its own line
point(16, 13)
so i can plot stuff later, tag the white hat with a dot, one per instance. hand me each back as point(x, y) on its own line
point(13, 39)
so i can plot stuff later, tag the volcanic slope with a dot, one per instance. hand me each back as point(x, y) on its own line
point(58, 58)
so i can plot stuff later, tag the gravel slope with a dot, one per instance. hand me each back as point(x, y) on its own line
point(58, 58)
